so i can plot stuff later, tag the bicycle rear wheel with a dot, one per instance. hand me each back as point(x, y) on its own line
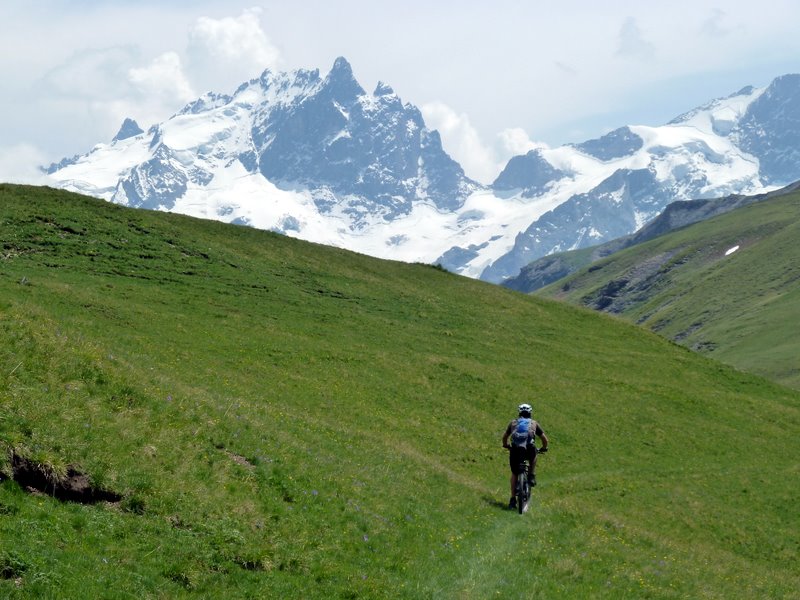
point(522, 492)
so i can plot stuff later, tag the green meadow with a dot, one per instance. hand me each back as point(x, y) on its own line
point(741, 308)
point(286, 420)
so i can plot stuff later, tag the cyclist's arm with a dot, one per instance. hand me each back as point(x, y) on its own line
point(506, 435)
point(543, 437)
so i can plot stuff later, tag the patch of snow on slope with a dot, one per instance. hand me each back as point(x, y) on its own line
point(721, 115)
point(679, 150)
point(97, 173)
point(234, 195)
point(198, 132)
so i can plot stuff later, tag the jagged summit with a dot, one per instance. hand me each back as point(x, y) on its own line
point(341, 73)
point(342, 68)
point(129, 129)
point(206, 102)
point(615, 144)
point(383, 89)
point(530, 173)
point(745, 91)
point(340, 82)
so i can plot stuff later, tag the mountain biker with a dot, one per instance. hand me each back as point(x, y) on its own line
point(523, 431)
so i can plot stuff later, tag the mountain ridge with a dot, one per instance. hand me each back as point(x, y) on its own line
point(321, 159)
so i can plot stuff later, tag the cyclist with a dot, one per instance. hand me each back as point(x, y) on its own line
point(523, 431)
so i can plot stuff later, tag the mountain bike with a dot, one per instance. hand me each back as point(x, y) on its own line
point(523, 489)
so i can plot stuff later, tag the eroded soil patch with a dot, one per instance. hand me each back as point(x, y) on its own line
point(73, 486)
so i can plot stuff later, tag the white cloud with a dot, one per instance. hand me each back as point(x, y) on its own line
point(515, 141)
point(229, 51)
point(461, 140)
point(20, 164)
point(163, 78)
point(88, 92)
point(104, 86)
point(632, 42)
point(96, 89)
point(715, 26)
point(96, 73)
point(159, 89)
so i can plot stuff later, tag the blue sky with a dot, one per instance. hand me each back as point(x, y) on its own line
point(495, 78)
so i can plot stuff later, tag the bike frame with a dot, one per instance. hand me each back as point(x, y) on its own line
point(523, 488)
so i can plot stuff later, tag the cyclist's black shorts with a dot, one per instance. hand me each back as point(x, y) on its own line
point(518, 454)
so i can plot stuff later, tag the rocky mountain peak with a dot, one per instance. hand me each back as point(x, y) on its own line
point(129, 129)
point(529, 172)
point(383, 89)
point(770, 129)
point(341, 81)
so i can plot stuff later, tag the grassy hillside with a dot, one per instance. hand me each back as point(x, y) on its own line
point(679, 214)
point(553, 267)
point(740, 308)
point(281, 419)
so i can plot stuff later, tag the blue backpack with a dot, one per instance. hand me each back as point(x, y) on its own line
point(523, 432)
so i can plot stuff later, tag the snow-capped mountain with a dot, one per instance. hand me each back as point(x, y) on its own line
point(317, 158)
point(323, 160)
point(746, 143)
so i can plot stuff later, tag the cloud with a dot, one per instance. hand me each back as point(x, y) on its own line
point(106, 85)
point(461, 140)
point(714, 26)
point(20, 164)
point(229, 51)
point(162, 80)
point(565, 68)
point(89, 93)
point(631, 43)
point(515, 141)
point(158, 89)
point(95, 73)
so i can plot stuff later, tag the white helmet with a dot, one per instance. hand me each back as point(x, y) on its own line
point(525, 408)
